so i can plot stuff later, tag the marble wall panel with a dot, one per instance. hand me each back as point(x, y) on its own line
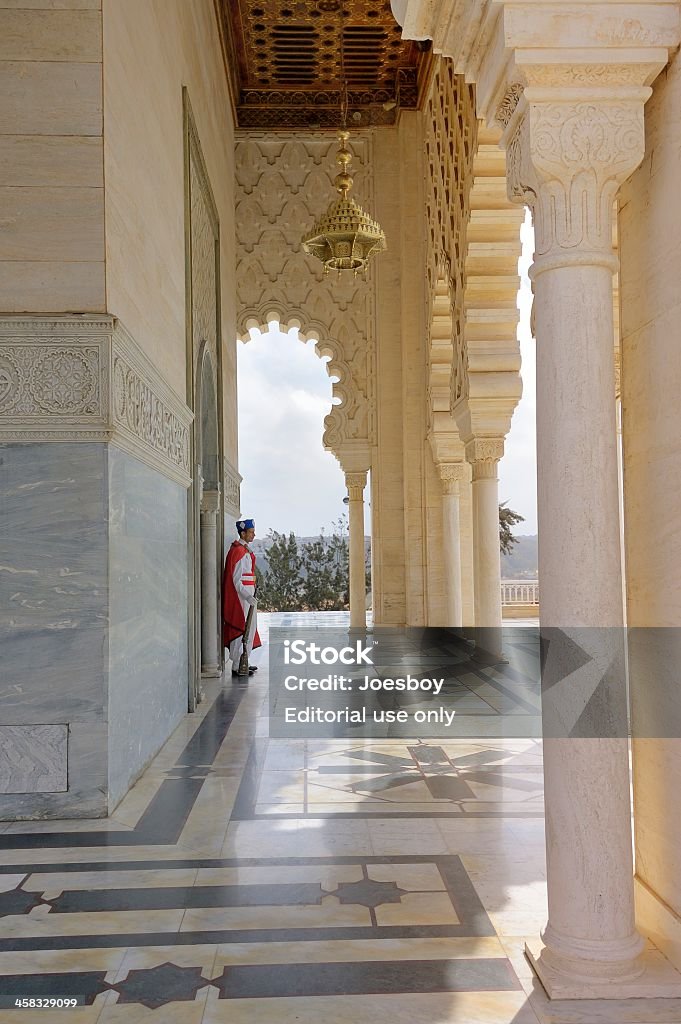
point(53, 581)
point(33, 758)
point(51, 160)
point(41, 286)
point(87, 780)
point(62, 224)
point(40, 34)
point(53, 608)
point(148, 655)
point(50, 98)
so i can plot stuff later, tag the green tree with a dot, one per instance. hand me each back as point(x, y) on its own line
point(281, 587)
point(319, 583)
point(340, 547)
point(507, 520)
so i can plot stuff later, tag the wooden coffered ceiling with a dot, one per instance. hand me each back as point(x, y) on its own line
point(284, 62)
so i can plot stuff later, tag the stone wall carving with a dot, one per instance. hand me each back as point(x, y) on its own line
point(147, 418)
point(204, 234)
point(232, 489)
point(42, 381)
point(284, 183)
point(450, 145)
point(203, 266)
point(74, 378)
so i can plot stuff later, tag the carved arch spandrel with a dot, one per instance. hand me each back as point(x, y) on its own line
point(473, 241)
point(283, 184)
point(450, 140)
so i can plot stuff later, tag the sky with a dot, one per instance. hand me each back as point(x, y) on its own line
point(291, 483)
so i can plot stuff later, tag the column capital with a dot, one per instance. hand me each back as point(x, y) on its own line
point(484, 453)
point(451, 474)
point(355, 483)
point(567, 153)
point(210, 506)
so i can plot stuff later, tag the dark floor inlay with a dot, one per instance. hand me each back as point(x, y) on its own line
point(188, 897)
point(86, 984)
point(369, 893)
point(370, 978)
point(156, 986)
point(18, 902)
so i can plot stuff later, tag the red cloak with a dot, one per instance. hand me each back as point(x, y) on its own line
point(233, 618)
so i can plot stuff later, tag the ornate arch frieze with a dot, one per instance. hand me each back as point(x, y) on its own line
point(450, 140)
point(473, 249)
point(283, 184)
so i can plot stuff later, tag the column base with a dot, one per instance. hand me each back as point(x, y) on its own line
point(656, 978)
point(210, 671)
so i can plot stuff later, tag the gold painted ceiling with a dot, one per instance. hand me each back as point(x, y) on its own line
point(284, 62)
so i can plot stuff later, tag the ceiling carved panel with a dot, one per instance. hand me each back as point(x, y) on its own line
point(284, 62)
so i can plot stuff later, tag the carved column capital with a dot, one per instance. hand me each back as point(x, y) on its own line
point(451, 474)
point(210, 506)
point(567, 152)
point(355, 483)
point(484, 453)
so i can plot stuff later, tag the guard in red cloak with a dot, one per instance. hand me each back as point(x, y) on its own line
point(238, 590)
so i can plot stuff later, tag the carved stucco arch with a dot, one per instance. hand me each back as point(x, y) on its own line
point(346, 403)
point(284, 183)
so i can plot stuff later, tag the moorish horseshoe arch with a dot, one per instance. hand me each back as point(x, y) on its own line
point(283, 183)
point(349, 416)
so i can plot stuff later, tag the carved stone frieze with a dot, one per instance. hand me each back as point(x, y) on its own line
point(610, 73)
point(148, 420)
point(232, 489)
point(283, 184)
point(508, 105)
point(68, 378)
point(41, 381)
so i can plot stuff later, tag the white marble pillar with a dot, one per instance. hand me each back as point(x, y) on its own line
point(565, 157)
point(451, 475)
point(210, 659)
point(355, 483)
point(483, 455)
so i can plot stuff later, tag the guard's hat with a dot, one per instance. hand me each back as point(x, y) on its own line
point(245, 524)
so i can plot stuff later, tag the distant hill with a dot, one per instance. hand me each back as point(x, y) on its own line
point(520, 565)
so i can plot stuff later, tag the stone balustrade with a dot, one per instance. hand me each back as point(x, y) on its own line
point(515, 592)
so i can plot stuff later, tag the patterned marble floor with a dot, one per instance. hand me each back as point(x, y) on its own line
point(252, 880)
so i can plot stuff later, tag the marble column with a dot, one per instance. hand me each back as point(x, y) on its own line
point(566, 158)
point(451, 475)
point(483, 455)
point(355, 483)
point(210, 659)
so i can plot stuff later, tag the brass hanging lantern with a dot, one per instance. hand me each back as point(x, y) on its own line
point(345, 237)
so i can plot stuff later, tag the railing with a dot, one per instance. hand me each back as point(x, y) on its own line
point(519, 592)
